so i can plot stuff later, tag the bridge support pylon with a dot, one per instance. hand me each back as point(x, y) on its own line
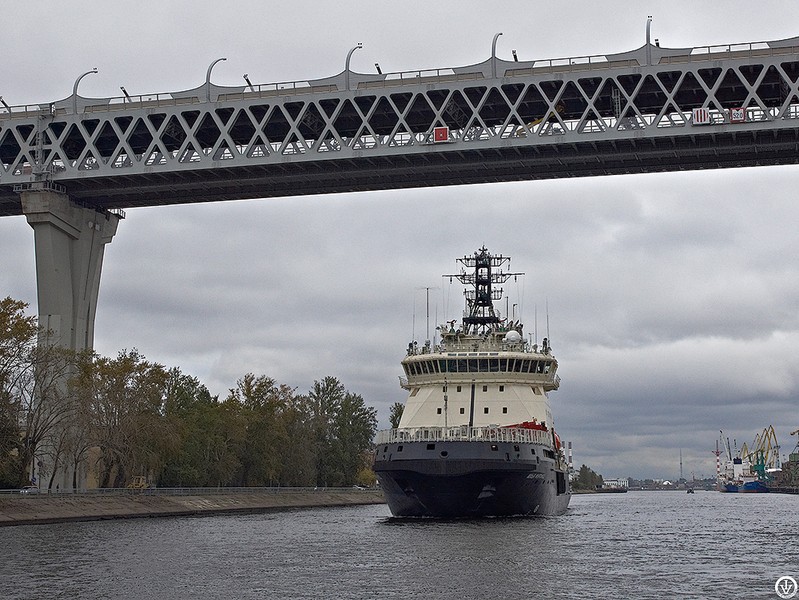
point(69, 243)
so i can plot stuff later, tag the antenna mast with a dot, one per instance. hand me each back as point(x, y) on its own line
point(485, 271)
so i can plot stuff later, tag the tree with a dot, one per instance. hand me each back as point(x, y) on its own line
point(211, 435)
point(126, 402)
point(587, 479)
point(33, 395)
point(395, 414)
point(355, 426)
point(343, 428)
point(17, 343)
point(9, 444)
point(298, 461)
point(325, 398)
point(263, 403)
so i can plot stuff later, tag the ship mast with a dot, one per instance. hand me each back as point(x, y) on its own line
point(481, 272)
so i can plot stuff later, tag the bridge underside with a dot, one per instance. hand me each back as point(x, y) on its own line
point(739, 148)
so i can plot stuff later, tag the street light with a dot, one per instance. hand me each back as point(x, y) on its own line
point(208, 78)
point(347, 66)
point(494, 55)
point(75, 90)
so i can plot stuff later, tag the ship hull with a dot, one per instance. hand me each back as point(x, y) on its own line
point(470, 479)
point(750, 487)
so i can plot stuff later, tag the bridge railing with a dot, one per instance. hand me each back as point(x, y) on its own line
point(464, 433)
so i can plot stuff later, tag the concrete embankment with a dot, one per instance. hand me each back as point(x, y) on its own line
point(23, 509)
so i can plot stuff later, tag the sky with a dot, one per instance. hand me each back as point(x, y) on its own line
point(672, 299)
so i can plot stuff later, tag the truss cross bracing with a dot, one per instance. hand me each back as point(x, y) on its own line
point(652, 109)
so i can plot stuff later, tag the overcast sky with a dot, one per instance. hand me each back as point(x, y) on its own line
point(673, 298)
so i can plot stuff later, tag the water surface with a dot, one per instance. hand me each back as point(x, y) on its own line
point(634, 545)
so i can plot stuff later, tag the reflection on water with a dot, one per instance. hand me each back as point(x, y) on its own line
point(635, 545)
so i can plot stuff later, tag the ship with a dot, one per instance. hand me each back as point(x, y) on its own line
point(476, 437)
point(749, 470)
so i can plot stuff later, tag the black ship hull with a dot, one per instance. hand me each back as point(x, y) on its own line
point(453, 479)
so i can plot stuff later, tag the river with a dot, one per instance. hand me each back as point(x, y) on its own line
point(634, 545)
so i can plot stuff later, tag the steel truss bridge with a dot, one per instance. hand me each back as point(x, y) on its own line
point(651, 109)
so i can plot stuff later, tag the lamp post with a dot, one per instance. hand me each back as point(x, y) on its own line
point(208, 78)
point(347, 66)
point(75, 90)
point(494, 55)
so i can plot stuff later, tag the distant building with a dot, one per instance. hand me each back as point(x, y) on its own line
point(616, 483)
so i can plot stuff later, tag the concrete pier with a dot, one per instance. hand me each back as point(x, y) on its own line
point(70, 241)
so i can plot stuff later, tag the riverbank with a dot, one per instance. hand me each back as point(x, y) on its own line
point(25, 509)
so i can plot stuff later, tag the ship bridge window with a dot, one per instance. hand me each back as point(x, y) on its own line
point(547, 367)
point(407, 370)
point(424, 368)
point(503, 364)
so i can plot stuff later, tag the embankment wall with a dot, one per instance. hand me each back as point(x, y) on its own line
point(23, 509)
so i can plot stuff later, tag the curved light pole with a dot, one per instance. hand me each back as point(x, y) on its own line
point(208, 78)
point(648, 42)
point(494, 55)
point(75, 90)
point(347, 66)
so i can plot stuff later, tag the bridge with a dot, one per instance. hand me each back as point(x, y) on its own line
point(651, 109)
point(72, 166)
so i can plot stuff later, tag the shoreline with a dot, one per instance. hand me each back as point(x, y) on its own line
point(62, 508)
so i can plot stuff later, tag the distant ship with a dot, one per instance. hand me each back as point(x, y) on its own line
point(476, 437)
point(749, 471)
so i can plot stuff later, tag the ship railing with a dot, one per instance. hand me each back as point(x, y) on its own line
point(464, 433)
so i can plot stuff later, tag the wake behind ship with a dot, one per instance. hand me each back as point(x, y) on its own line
point(476, 437)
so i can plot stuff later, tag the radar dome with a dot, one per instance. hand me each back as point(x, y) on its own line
point(513, 337)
